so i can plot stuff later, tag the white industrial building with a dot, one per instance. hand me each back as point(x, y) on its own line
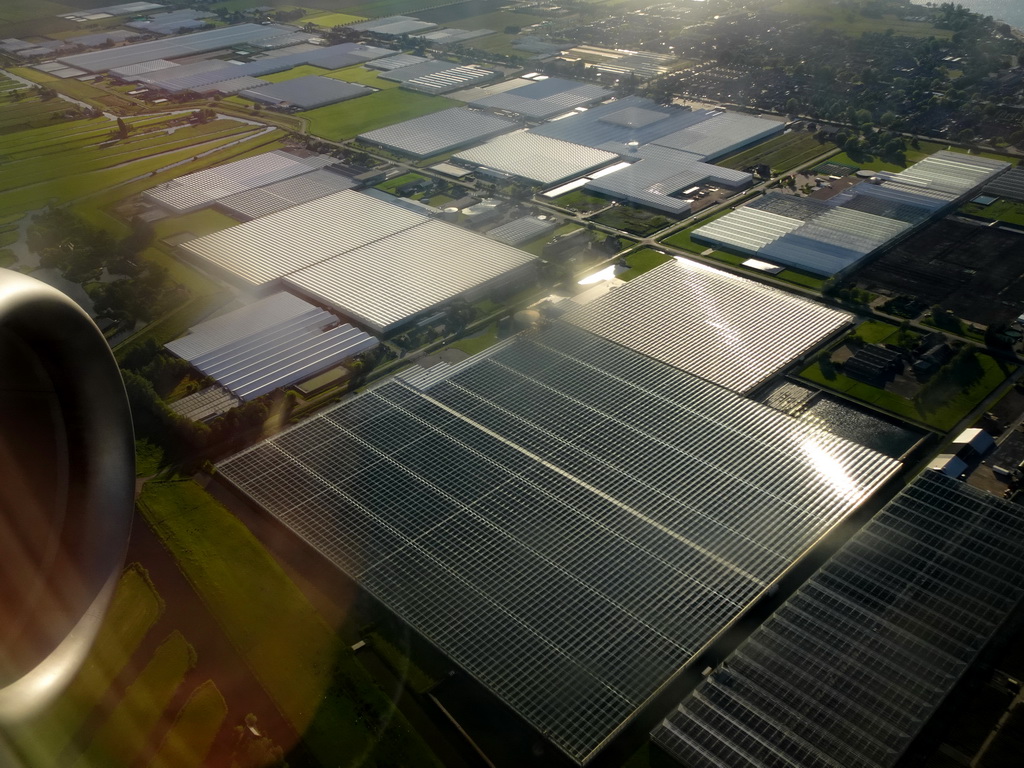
point(373, 261)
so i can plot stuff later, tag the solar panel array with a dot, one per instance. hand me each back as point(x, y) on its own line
point(439, 132)
point(850, 668)
point(720, 326)
point(859, 221)
point(536, 158)
point(567, 519)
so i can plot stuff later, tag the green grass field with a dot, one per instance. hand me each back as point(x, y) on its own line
point(329, 20)
point(479, 341)
point(581, 201)
point(134, 609)
point(781, 153)
point(304, 70)
point(189, 738)
point(125, 732)
point(830, 16)
point(314, 679)
point(350, 118)
point(1010, 211)
point(642, 261)
point(359, 74)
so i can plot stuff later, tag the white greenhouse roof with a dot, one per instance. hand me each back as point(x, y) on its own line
point(568, 520)
point(272, 198)
point(658, 177)
point(227, 329)
point(307, 92)
point(272, 343)
point(536, 158)
point(951, 172)
point(194, 190)
point(265, 249)
point(852, 666)
point(539, 100)
point(719, 326)
point(439, 132)
point(747, 229)
point(721, 134)
point(386, 282)
point(173, 47)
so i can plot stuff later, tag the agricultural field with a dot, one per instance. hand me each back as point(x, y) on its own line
point(47, 166)
point(323, 692)
point(329, 20)
point(350, 118)
point(781, 153)
point(114, 709)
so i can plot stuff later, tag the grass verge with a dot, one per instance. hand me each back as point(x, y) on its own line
point(193, 730)
point(122, 736)
point(135, 608)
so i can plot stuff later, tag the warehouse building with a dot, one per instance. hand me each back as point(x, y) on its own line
point(610, 515)
point(372, 261)
point(636, 122)
point(196, 190)
point(535, 158)
point(543, 99)
point(272, 343)
point(303, 93)
point(439, 132)
point(722, 327)
point(857, 223)
point(660, 178)
point(850, 668)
